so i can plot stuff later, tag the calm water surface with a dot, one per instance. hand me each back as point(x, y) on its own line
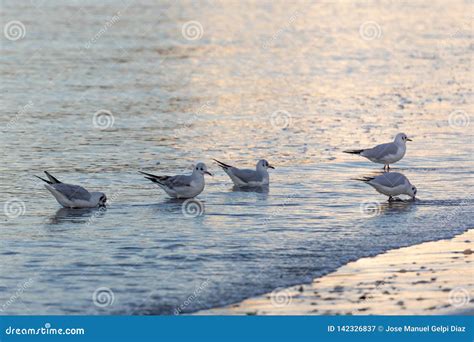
point(176, 101)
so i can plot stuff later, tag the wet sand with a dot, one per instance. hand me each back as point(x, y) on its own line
point(427, 279)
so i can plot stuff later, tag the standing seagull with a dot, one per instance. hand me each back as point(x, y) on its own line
point(391, 184)
point(182, 186)
point(247, 177)
point(73, 196)
point(385, 154)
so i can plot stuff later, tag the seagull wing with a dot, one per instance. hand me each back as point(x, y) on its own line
point(179, 181)
point(390, 179)
point(381, 151)
point(246, 175)
point(72, 192)
point(171, 182)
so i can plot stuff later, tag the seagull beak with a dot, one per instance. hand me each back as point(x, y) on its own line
point(270, 166)
point(207, 172)
point(408, 139)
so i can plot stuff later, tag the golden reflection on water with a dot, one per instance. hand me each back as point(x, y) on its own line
point(176, 101)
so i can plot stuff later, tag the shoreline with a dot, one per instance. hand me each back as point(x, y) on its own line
point(431, 278)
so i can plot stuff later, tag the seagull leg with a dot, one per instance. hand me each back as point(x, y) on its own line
point(388, 168)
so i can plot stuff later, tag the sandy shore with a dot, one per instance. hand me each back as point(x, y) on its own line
point(427, 279)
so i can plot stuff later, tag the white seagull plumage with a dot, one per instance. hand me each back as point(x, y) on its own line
point(247, 177)
point(182, 186)
point(73, 196)
point(391, 184)
point(386, 154)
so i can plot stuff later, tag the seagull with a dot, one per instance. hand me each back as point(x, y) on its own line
point(73, 196)
point(391, 184)
point(386, 154)
point(247, 177)
point(182, 186)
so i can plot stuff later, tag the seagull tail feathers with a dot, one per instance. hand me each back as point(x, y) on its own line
point(44, 180)
point(221, 164)
point(364, 179)
point(353, 151)
point(153, 178)
point(52, 179)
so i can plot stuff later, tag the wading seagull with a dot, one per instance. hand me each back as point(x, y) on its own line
point(385, 154)
point(391, 184)
point(73, 196)
point(247, 177)
point(182, 186)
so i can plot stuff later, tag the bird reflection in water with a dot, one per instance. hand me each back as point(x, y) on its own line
point(86, 215)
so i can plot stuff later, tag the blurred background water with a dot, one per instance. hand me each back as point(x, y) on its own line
point(94, 92)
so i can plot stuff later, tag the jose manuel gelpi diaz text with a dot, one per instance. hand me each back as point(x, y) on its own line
point(427, 328)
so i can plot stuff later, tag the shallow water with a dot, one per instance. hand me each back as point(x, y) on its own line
point(176, 101)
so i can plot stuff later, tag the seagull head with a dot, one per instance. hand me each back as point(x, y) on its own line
point(201, 168)
point(264, 165)
point(401, 138)
point(100, 198)
point(411, 191)
point(103, 200)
